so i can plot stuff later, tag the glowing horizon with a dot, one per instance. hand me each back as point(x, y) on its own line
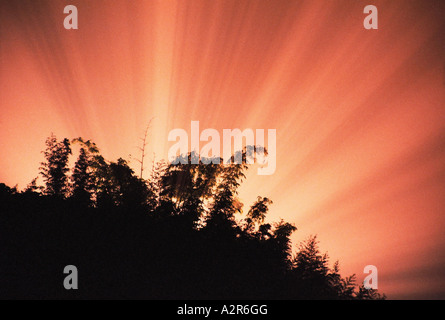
point(359, 114)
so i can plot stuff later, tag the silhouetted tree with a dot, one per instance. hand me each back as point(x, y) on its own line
point(189, 188)
point(143, 146)
point(6, 191)
point(126, 189)
point(33, 187)
point(257, 214)
point(174, 236)
point(82, 179)
point(155, 184)
point(55, 167)
point(368, 294)
point(316, 280)
point(224, 207)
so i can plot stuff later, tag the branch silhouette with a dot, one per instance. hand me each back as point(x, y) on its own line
point(172, 236)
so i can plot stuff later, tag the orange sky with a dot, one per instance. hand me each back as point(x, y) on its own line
point(359, 114)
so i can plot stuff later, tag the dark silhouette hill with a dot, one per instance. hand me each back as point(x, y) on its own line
point(172, 236)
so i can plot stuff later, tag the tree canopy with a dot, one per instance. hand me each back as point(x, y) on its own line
point(172, 236)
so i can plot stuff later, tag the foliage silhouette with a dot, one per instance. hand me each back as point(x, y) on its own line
point(173, 236)
point(82, 179)
point(55, 167)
